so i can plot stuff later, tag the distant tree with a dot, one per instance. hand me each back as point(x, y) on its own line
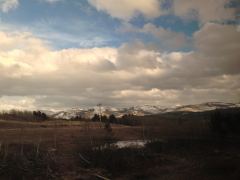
point(40, 115)
point(112, 118)
point(17, 115)
point(76, 118)
point(96, 117)
point(104, 118)
point(128, 119)
point(44, 116)
point(107, 125)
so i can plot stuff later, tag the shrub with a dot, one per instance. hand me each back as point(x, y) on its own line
point(28, 164)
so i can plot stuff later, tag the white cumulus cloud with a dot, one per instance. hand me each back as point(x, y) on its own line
point(127, 10)
point(134, 73)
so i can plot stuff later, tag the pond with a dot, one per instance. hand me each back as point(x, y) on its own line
point(127, 144)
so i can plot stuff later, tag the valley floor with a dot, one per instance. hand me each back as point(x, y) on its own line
point(71, 150)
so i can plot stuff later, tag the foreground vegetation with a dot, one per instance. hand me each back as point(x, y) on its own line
point(179, 146)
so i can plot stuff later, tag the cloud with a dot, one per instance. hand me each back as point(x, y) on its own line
point(7, 5)
point(134, 73)
point(219, 45)
point(205, 10)
point(212, 67)
point(92, 42)
point(126, 10)
point(166, 37)
point(52, 1)
point(20, 103)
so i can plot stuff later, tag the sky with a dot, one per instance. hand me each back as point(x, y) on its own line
point(57, 54)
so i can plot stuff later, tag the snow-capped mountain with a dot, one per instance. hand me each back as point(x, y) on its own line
point(88, 113)
point(206, 107)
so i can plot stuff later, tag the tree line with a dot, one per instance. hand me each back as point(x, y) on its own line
point(126, 119)
point(23, 115)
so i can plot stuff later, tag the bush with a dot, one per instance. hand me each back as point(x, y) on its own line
point(28, 164)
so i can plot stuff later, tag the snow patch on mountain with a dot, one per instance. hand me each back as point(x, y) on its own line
point(88, 113)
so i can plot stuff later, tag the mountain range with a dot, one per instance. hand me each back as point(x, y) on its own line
point(143, 110)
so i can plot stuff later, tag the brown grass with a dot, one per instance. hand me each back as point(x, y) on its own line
point(186, 150)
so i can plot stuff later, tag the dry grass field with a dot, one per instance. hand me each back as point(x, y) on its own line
point(59, 149)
